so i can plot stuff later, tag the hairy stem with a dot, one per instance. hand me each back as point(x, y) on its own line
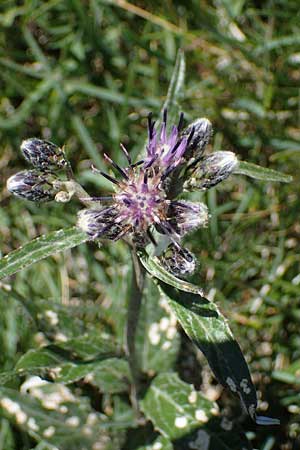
point(134, 306)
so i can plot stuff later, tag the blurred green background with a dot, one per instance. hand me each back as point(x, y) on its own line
point(85, 74)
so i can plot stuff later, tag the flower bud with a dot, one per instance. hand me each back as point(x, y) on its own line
point(178, 260)
point(32, 185)
point(202, 131)
point(187, 216)
point(43, 154)
point(100, 223)
point(212, 170)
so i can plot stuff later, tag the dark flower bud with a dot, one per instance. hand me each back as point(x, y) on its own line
point(199, 133)
point(187, 216)
point(100, 223)
point(43, 154)
point(212, 170)
point(178, 260)
point(32, 185)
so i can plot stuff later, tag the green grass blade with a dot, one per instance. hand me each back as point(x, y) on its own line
point(40, 248)
point(176, 86)
point(72, 86)
point(27, 105)
point(86, 140)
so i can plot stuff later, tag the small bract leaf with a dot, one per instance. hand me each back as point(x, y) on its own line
point(155, 268)
point(261, 173)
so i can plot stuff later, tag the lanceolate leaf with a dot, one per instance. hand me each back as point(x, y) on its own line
point(40, 248)
point(208, 329)
point(261, 173)
point(210, 332)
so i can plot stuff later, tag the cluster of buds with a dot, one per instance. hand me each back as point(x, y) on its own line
point(143, 206)
point(38, 184)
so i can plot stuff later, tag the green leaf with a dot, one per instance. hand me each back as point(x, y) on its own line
point(40, 248)
point(110, 374)
point(272, 44)
point(157, 340)
point(87, 141)
point(24, 110)
point(174, 407)
point(261, 173)
point(36, 359)
point(253, 106)
point(73, 86)
point(88, 346)
point(209, 330)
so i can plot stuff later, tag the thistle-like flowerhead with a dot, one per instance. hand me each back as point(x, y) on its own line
point(140, 203)
point(143, 205)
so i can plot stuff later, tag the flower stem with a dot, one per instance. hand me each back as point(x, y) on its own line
point(134, 307)
point(71, 188)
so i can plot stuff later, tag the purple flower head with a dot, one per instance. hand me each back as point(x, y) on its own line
point(142, 206)
point(140, 203)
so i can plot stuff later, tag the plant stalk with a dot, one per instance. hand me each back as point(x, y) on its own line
point(134, 307)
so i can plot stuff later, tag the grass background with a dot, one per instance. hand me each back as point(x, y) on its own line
point(85, 74)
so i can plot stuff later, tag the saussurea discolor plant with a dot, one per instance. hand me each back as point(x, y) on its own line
point(146, 210)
